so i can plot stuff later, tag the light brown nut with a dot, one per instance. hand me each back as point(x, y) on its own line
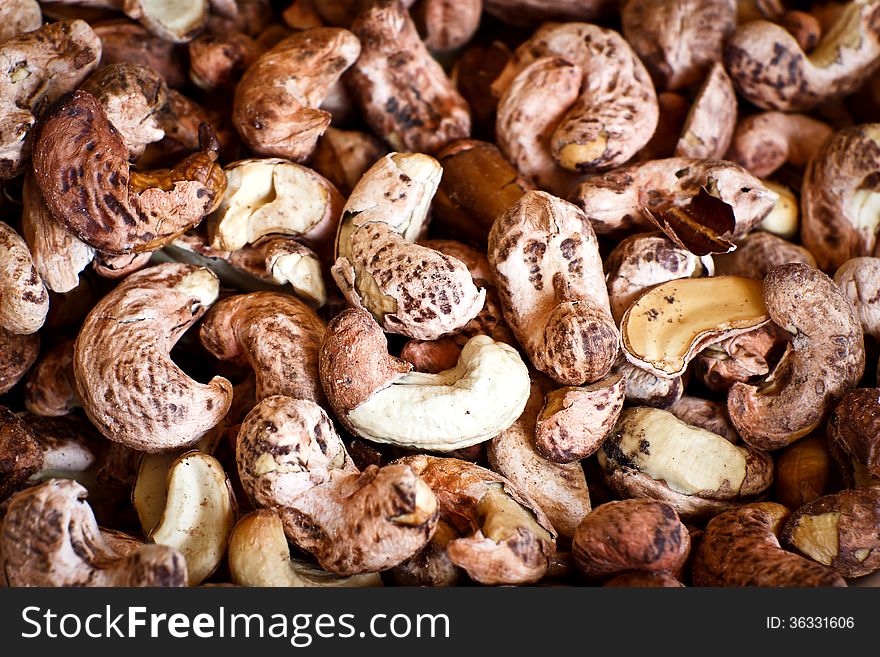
point(478, 184)
point(276, 106)
point(640, 579)
point(24, 300)
point(854, 437)
point(18, 17)
point(130, 388)
point(839, 531)
point(740, 358)
point(771, 71)
point(217, 61)
point(859, 278)
point(805, 28)
point(37, 68)
point(763, 142)
point(50, 390)
point(131, 96)
point(431, 356)
point(260, 556)
point(574, 422)
point(705, 414)
point(50, 537)
point(652, 454)
point(708, 129)
point(126, 41)
point(270, 196)
point(344, 156)
point(506, 538)
point(17, 354)
point(302, 15)
point(528, 13)
point(58, 254)
point(740, 548)
point(825, 359)
point(81, 166)
point(409, 289)
point(626, 535)
point(802, 472)
point(545, 258)
point(378, 398)
point(120, 266)
point(559, 489)
point(177, 21)
point(644, 388)
point(838, 197)
point(276, 334)
point(615, 201)
point(20, 454)
point(644, 260)
point(447, 24)
point(758, 253)
point(432, 566)
point(679, 40)
point(420, 117)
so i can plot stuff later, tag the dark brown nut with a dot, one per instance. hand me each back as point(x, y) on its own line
point(644, 260)
point(805, 28)
point(616, 201)
point(50, 389)
point(50, 537)
point(644, 388)
point(276, 106)
point(37, 68)
point(859, 278)
point(545, 258)
point(131, 96)
point(81, 166)
point(674, 110)
point(478, 184)
point(838, 196)
point(181, 119)
point(432, 356)
point(447, 24)
point(473, 73)
point(708, 128)
point(178, 21)
point(652, 454)
point(706, 414)
point(640, 579)
point(626, 535)
point(740, 548)
point(802, 472)
point(839, 531)
point(18, 17)
point(125, 41)
point(130, 388)
point(20, 454)
point(278, 335)
point(217, 61)
point(17, 354)
point(432, 566)
point(574, 421)
point(120, 266)
point(59, 255)
point(740, 358)
point(528, 13)
point(854, 437)
point(505, 537)
point(825, 359)
point(291, 458)
point(421, 117)
point(344, 156)
point(763, 142)
point(560, 489)
point(616, 113)
point(758, 253)
point(302, 15)
point(24, 300)
point(760, 54)
point(679, 40)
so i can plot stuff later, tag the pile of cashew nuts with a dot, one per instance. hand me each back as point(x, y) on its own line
point(439, 293)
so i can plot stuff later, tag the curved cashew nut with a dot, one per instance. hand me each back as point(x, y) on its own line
point(129, 386)
point(711, 120)
point(859, 278)
point(24, 301)
point(18, 17)
point(409, 289)
point(17, 354)
point(854, 437)
point(740, 358)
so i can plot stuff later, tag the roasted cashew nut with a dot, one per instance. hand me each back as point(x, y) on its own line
point(24, 301)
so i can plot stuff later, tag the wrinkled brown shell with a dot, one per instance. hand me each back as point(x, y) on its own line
point(24, 300)
point(344, 156)
point(825, 359)
point(645, 388)
point(17, 354)
point(802, 472)
point(50, 389)
point(120, 266)
point(130, 388)
point(758, 253)
point(20, 455)
point(740, 358)
point(711, 121)
point(854, 434)
point(432, 565)
point(706, 414)
point(859, 278)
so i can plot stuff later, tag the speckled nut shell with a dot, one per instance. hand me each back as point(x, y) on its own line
point(841, 181)
point(771, 71)
point(17, 354)
point(431, 566)
point(276, 107)
point(678, 40)
point(420, 117)
point(825, 359)
point(708, 128)
point(50, 537)
point(130, 388)
point(546, 263)
point(740, 358)
point(447, 24)
point(615, 201)
point(758, 253)
point(854, 437)
point(81, 166)
point(625, 535)
point(18, 17)
point(740, 548)
point(24, 300)
point(50, 389)
point(506, 538)
point(409, 289)
point(20, 454)
point(278, 335)
point(859, 278)
point(217, 61)
point(38, 67)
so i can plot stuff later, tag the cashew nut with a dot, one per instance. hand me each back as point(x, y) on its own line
point(24, 300)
